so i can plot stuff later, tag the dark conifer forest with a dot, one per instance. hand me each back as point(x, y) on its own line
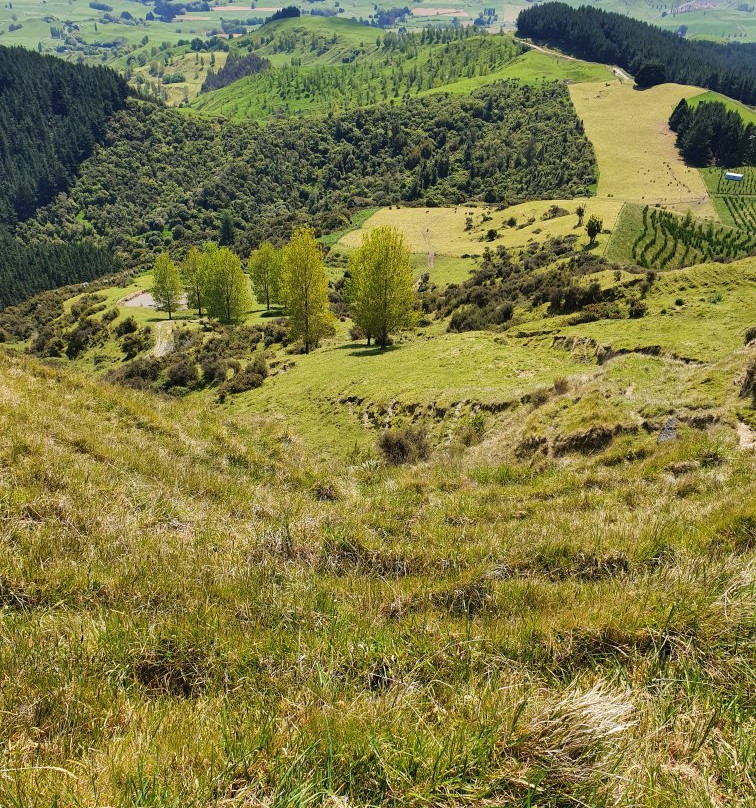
point(710, 134)
point(51, 115)
point(26, 270)
point(612, 38)
point(235, 68)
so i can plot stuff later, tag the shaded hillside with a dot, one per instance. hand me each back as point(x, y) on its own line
point(51, 115)
point(26, 270)
point(168, 179)
point(616, 39)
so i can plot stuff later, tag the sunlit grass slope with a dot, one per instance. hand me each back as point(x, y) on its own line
point(192, 612)
point(341, 73)
point(636, 152)
point(691, 338)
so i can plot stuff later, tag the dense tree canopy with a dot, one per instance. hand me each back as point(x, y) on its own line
point(52, 114)
point(166, 285)
point(168, 179)
point(235, 68)
point(612, 38)
point(26, 270)
point(305, 289)
point(712, 134)
point(381, 289)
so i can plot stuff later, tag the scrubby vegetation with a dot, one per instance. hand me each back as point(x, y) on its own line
point(553, 273)
point(601, 36)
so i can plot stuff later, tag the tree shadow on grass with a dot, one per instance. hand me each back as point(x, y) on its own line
point(373, 350)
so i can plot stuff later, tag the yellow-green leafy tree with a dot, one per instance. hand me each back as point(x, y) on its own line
point(305, 289)
point(193, 277)
point(265, 274)
point(167, 288)
point(382, 289)
point(226, 289)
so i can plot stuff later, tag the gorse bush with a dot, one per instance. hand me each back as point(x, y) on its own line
point(405, 445)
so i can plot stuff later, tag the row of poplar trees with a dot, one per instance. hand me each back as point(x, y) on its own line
point(380, 287)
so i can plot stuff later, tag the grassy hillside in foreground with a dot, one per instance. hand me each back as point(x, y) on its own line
point(337, 398)
point(194, 612)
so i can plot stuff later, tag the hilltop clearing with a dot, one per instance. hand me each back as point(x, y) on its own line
point(635, 148)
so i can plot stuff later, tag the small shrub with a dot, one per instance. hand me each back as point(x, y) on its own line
point(637, 309)
point(126, 326)
point(539, 396)
point(748, 387)
point(750, 334)
point(405, 445)
point(472, 432)
point(213, 370)
point(251, 377)
point(182, 373)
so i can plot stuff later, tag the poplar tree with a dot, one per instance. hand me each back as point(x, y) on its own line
point(166, 285)
point(193, 272)
point(381, 290)
point(265, 274)
point(226, 291)
point(305, 289)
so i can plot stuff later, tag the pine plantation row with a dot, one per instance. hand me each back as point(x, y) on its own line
point(668, 241)
point(743, 213)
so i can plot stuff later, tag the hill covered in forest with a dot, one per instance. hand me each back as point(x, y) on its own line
point(601, 36)
point(52, 116)
point(167, 179)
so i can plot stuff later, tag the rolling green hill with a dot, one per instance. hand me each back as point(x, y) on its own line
point(507, 559)
point(320, 74)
